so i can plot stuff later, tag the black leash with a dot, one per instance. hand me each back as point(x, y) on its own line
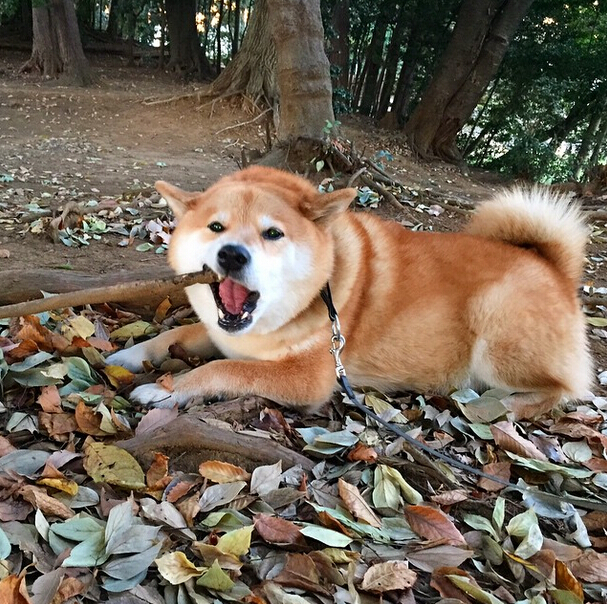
point(338, 342)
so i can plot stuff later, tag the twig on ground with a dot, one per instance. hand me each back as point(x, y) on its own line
point(354, 176)
point(243, 123)
point(391, 199)
point(115, 293)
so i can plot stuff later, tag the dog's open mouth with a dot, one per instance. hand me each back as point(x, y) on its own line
point(235, 304)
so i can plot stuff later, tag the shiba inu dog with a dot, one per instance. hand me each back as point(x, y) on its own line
point(493, 306)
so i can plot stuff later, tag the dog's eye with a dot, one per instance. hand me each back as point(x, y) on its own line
point(272, 234)
point(216, 227)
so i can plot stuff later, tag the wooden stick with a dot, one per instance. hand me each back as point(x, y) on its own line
point(114, 293)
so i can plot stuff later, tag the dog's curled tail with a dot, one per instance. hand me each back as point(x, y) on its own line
point(538, 219)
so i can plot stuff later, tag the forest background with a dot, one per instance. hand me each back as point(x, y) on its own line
point(515, 87)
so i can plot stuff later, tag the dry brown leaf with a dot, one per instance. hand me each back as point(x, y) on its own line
point(222, 472)
point(101, 344)
point(49, 399)
point(562, 551)
point(157, 475)
point(450, 497)
point(58, 425)
point(179, 490)
point(88, 420)
point(13, 590)
point(590, 567)
point(6, 446)
point(595, 521)
point(300, 572)
point(501, 469)
point(11, 509)
point(387, 576)
point(506, 437)
point(433, 524)
point(42, 501)
point(363, 453)
point(69, 588)
point(278, 530)
point(356, 505)
point(564, 579)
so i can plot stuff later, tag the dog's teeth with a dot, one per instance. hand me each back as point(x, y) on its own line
point(220, 313)
point(245, 315)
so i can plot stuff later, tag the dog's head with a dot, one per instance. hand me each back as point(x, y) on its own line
point(266, 234)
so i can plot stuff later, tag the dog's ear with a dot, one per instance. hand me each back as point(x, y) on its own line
point(326, 205)
point(179, 201)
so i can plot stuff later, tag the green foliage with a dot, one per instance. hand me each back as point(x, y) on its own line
point(553, 80)
point(8, 8)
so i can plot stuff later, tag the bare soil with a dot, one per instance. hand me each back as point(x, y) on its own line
point(110, 142)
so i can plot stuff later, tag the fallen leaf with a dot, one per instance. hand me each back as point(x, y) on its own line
point(274, 529)
point(49, 399)
point(215, 578)
point(42, 501)
point(501, 469)
point(387, 576)
point(13, 590)
point(355, 503)
point(111, 464)
point(433, 524)
point(565, 580)
point(590, 567)
point(222, 472)
point(176, 568)
point(506, 437)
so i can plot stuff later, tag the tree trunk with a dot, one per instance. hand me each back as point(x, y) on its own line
point(339, 54)
point(598, 144)
point(302, 69)
point(392, 56)
point(480, 39)
point(56, 47)
point(236, 34)
point(252, 72)
point(185, 53)
point(375, 59)
point(586, 145)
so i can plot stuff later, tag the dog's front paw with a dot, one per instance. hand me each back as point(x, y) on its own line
point(154, 395)
point(130, 358)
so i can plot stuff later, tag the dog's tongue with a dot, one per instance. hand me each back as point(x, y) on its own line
point(233, 296)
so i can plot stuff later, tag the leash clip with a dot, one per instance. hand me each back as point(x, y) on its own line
point(338, 341)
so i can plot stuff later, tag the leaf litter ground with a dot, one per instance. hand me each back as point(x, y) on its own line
point(81, 519)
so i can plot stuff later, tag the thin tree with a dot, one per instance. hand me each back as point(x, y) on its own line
point(56, 46)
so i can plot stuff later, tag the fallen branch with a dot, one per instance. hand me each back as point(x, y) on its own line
point(391, 199)
point(122, 292)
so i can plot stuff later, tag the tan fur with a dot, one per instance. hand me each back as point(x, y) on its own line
point(424, 311)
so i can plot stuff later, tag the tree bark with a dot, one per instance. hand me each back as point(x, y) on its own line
point(303, 71)
point(339, 54)
point(391, 64)
point(478, 44)
point(56, 47)
point(252, 71)
point(375, 59)
point(185, 53)
point(586, 145)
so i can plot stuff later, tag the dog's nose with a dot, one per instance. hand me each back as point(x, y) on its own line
point(233, 257)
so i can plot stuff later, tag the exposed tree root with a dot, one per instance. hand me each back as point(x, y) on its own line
point(190, 440)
